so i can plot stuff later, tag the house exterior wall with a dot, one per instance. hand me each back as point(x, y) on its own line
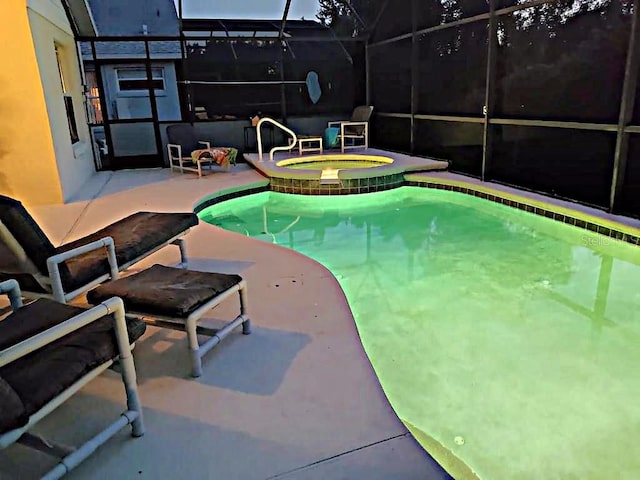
point(50, 29)
point(28, 167)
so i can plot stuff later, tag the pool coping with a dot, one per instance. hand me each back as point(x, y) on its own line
point(563, 211)
point(230, 193)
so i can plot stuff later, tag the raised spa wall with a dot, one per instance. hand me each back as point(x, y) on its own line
point(302, 186)
point(389, 174)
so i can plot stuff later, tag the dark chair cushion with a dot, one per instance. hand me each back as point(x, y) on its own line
point(42, 375)
point(166, 291)
point(27, 282)
point(12, 414)
point(184, 135)
point(134, 237)
point(34, 318)
point(360, 114)
point(26, 231)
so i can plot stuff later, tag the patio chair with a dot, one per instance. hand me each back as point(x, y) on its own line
point(183, 142)
point(65, 272)
point(353, 133)
point(48, 351)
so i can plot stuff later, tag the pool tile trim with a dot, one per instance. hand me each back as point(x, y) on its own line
point(231, 193)
point(574, 218)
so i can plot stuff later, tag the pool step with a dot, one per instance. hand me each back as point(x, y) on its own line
point(329, 176)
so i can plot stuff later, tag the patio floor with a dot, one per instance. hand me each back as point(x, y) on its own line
point(297, 399)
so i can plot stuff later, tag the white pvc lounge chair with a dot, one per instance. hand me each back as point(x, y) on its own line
point(65, 272)
point(48, 351)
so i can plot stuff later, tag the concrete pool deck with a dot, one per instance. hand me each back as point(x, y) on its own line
point(297, 399)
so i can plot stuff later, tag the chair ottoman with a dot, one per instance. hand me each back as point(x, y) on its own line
point(177, 298)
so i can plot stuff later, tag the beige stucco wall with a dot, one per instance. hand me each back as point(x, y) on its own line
point(38, 163)
point(49, 27)
point(28, 168)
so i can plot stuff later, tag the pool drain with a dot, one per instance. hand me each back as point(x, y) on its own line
point(458, 440)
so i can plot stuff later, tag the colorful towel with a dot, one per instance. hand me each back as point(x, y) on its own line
point(223, 156)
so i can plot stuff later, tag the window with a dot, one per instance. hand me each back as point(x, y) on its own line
point(94, 109)
point(67, 98)
point(135, 79)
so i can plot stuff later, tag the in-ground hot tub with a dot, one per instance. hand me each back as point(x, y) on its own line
point(335, 174)
point(335, 162)
point(340, 174)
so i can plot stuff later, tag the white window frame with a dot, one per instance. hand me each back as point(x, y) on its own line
point(67, 97)
point(157, 73)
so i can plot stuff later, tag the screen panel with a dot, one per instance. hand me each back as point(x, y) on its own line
point(396, 20)
point(629, 200)
point(576, 164)
point(390, 133)
point(390, 77)
point(562, 61)
point(452, 70)
point(459, 143)
point(335, 70)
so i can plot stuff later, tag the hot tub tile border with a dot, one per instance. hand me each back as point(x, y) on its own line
point(347, 186)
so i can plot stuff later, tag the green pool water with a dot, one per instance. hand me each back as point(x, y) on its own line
point(508, 343)
point(335, 164)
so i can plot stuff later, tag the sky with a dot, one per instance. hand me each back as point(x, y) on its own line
point(248, 9)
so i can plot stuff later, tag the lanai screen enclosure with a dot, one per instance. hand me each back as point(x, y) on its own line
point(538, 94)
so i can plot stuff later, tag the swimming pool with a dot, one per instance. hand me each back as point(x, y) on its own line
point(507, 342)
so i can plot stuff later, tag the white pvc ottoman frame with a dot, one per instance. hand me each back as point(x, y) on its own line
point(190, 324)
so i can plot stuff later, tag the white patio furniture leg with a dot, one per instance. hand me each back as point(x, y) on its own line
point(197, 351)
point(170, 157)
point(366, 136)
point(180, 158)
point(128, 368)
point(194, 347)
point(189, 323)
point(246, 324)
point(183, 251)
